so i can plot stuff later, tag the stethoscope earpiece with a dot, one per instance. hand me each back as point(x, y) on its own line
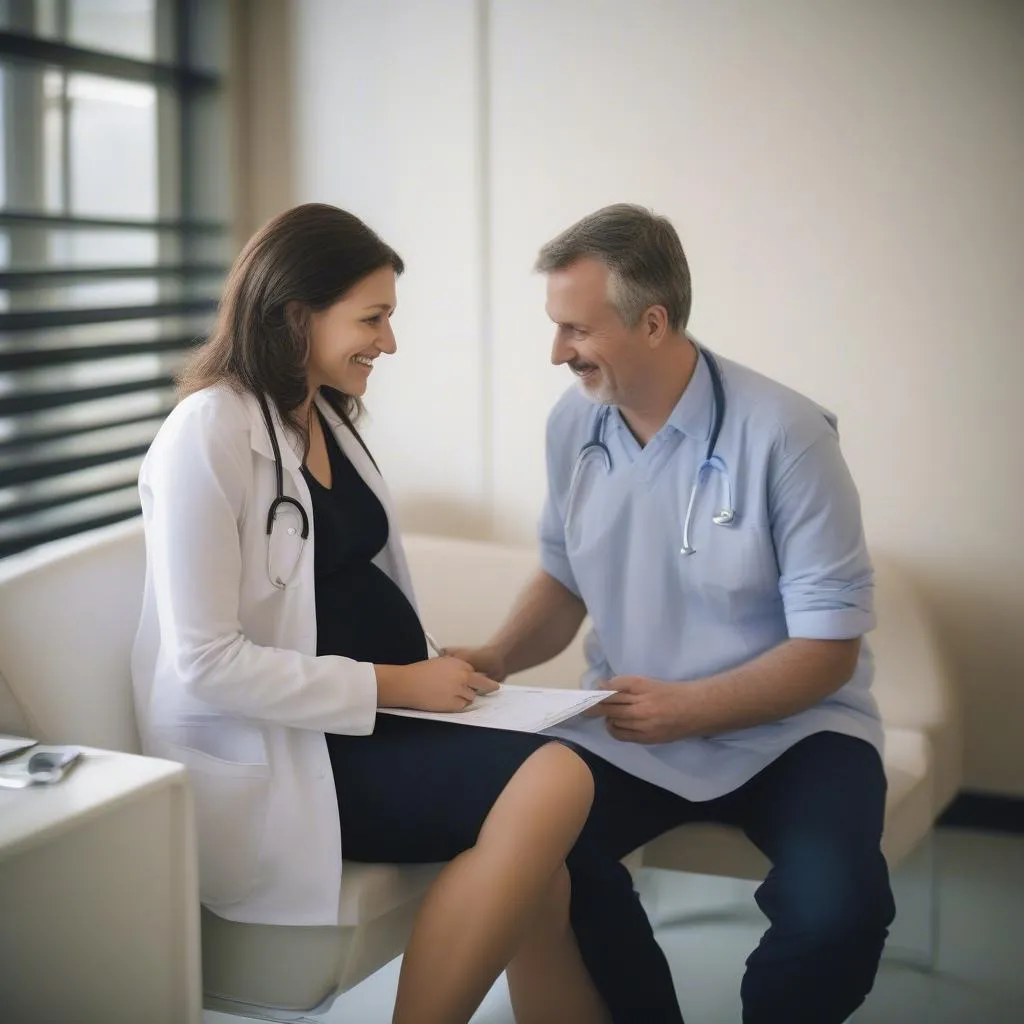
point(724, 517)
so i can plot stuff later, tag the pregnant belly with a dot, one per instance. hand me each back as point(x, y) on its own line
point(361, 613)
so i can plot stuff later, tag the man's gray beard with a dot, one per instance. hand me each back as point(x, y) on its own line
point(599, 396)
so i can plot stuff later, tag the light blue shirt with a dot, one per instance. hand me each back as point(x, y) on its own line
point(792, 564)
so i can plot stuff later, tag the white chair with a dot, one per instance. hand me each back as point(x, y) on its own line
point(465, 587)
point(69, 613)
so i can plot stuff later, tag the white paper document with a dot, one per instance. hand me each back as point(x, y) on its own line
point(517, 708)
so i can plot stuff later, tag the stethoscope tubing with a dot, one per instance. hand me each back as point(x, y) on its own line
point(725, 516)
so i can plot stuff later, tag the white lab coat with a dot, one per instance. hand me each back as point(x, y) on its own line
point(224, 666)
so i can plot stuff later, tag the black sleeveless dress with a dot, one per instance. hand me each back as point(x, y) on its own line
point(361, 613)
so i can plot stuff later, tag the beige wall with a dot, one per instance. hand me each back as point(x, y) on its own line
point(386, 126)
point(846, 178)
point(262, 91)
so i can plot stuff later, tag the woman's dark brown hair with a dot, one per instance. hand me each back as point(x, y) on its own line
point(301, 262)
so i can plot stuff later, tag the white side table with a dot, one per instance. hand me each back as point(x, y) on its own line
point(99, 897)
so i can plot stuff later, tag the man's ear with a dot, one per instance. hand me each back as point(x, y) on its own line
point(655, 325)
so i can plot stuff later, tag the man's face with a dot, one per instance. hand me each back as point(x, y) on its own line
point(609, 359)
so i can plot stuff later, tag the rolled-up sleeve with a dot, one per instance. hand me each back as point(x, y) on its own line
point(825, 574)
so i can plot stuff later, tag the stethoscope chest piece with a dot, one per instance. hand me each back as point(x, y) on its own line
point(723, 517)
point(287, 535)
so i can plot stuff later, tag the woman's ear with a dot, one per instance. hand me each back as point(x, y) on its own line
point(296, 315)
point(299, 321)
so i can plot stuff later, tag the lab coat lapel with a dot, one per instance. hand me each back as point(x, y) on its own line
point(259, 440)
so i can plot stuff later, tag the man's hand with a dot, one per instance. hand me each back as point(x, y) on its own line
point(486, 660)
point(643, 710)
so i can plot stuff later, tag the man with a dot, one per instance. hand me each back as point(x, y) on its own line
point(729, 591)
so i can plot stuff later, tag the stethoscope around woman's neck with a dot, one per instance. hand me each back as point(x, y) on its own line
point(596, 446)
point(281, 498)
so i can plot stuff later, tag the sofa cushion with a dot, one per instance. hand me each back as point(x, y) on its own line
point(707, 849)
point(372, 890)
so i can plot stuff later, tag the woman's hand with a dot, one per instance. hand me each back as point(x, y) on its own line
point(438, 684)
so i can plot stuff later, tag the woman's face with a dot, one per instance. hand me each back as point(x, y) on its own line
point(347, 337)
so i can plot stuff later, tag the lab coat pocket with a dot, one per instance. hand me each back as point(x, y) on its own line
point(230, 777)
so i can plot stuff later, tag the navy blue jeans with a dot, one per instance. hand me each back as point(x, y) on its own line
point(417, 791)
point(817, 814)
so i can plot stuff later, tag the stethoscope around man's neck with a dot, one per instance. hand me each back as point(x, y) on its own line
point(596, 446)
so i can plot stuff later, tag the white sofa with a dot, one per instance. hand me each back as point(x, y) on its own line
point(68, 618)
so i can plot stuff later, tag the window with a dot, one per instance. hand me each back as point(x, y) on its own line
point(115, 210)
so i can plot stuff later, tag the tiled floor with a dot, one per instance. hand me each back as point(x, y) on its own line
point(980, 976)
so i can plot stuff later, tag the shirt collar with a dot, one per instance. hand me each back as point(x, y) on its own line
point(693, 412)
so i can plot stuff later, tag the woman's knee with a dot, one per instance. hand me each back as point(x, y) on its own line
point(546, 802)
point(564, 769)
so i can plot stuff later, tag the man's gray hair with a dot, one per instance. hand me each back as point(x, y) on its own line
point(646, 263)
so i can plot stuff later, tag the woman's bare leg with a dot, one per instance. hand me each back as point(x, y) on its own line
point(547, 979)
point(485, 901)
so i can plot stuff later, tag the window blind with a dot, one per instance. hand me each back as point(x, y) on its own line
point(114, 240)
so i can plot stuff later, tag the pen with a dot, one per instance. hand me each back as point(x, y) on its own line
point(439, 651)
